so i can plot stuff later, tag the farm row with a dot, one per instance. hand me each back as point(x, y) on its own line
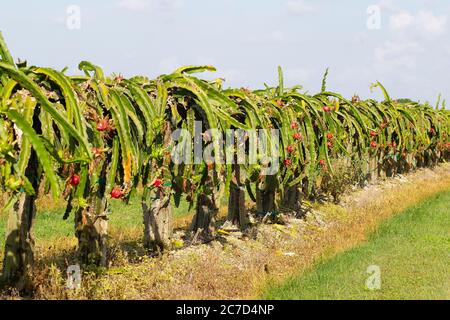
point(93, 139)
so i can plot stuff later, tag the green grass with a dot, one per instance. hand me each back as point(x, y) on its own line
point(412, 250)
point(49, 224)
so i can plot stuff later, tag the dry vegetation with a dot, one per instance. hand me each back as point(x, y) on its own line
point(236, 266)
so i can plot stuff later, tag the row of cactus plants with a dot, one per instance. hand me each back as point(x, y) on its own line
point(92, 139)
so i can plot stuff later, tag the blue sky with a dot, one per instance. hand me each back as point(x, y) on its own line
point(246, 40)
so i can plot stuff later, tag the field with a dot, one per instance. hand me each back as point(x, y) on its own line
point(411, 249)
point(177, 187)
point(327, 231)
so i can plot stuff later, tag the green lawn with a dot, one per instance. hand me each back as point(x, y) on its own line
point(412, 251)
point(49, 224)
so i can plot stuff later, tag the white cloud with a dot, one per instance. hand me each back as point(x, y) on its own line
point(401, 20)
point(430, 23)
point(134, 5)
point(300, 7)
point(156, 5)
point(424, 21)
point(393, 55)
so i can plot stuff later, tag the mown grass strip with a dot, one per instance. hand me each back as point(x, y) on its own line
point(412, 250)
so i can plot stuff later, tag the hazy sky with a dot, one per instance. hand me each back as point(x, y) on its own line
point(246, 40)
